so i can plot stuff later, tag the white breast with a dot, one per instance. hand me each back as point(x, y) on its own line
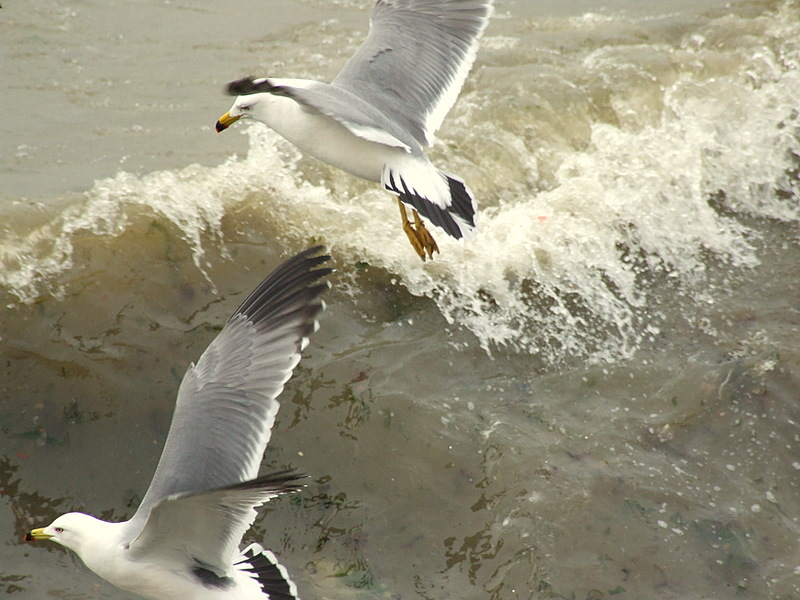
point(326, 139)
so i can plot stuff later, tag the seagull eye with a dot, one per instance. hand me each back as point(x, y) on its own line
point(58, 529)
point(244, 107)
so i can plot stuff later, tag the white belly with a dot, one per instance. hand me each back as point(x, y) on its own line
point(326, 139)
point(160, 584)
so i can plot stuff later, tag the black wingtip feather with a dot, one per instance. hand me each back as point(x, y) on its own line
point(292, 286)
point(279, 482)
point(248, 85)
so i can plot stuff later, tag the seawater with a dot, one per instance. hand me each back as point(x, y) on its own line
point(596, 394)
point(598, 166)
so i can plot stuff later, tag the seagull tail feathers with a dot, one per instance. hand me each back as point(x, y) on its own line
point(263, 566)
point(448, 203)
point(462, 203)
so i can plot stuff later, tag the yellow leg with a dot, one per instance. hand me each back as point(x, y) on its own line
point(411, 232)
point(427, 239)
point(418, 235)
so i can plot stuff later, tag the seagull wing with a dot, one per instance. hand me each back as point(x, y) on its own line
point(415, 60)
point(226, 403)
point(201, 531)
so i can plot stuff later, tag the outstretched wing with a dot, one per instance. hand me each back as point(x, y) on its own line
point(226, 403)
point(201, 531)
point(415, 60)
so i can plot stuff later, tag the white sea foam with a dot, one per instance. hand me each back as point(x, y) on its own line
point(570, 235)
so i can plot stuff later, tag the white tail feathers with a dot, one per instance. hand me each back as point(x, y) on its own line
point(442, 199)
point(272, 576)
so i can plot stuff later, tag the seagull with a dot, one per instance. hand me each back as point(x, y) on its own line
point(375, 117)
point(183, 541)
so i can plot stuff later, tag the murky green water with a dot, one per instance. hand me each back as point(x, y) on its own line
point(596, 397)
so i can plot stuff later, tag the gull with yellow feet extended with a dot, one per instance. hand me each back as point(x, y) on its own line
point(375, 117)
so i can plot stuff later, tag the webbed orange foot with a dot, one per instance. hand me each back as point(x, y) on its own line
point(419, 236)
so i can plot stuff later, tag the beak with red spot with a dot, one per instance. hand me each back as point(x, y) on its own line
point(37, 534)
point(226, 121)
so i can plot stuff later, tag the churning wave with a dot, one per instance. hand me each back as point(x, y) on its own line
point(603, 173)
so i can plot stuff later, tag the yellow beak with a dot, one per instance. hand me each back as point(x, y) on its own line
point(37, 534)
point(225, 121)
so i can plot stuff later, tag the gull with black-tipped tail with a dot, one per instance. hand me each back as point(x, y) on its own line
point(375, 117)
point(183, 541)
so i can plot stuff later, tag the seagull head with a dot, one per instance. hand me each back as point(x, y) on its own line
point(249, 92)
point(242, 108)
point(71, 530)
